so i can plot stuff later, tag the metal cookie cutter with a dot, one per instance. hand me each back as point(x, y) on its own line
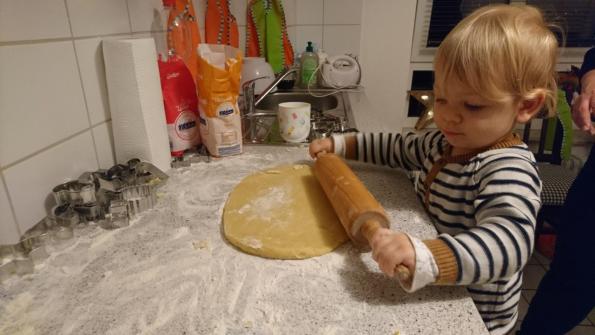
point(117, 214)
point(139, 198)
point(7, 266)
point(34, 242)
point(89, 212)
point(149, 173)
point(74, 192)
point(63, 218)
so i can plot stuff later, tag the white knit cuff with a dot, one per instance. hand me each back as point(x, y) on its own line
point(426, 270)
point(339, 144)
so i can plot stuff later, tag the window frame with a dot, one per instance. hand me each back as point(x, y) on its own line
point(420, 53)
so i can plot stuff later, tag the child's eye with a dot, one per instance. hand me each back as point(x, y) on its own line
point(472, 107)
point(440, 101)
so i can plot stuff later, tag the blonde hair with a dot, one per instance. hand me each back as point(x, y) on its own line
point(502, 52)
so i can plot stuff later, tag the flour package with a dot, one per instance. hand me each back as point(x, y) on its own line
point(218, 84)
point(181, 105)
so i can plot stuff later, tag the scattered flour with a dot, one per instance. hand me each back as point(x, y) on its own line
point(145, 279)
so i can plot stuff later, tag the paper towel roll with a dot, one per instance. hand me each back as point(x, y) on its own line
point(136, 101)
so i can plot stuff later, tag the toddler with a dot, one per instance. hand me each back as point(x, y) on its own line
point(477, 179)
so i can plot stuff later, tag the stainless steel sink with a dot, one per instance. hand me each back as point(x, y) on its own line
point(330, 114)
point(319, 104)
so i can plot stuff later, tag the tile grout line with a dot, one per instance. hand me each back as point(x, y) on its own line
point(322, 37)
point(10, 204)
point(129, 19)
point(80, 75)
point(64, 39)
point(53, 145)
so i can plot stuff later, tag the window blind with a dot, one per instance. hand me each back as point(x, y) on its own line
point(576, 18)
point(445, 14)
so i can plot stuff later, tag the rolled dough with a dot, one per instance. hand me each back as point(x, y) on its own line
point(282, 213)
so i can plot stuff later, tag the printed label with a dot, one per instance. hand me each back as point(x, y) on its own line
point(225, 109)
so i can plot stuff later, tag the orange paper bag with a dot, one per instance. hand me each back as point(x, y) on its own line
point(218, 83)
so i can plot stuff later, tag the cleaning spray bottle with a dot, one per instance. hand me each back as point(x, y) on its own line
point(308, 65)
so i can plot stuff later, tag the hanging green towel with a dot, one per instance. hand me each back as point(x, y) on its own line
point(564, 115)
point(266, 34)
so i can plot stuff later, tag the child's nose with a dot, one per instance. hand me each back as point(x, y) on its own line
point(451, 115)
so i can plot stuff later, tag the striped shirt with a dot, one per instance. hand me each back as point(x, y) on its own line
point(484, 206)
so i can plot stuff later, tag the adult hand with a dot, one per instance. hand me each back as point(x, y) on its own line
point(321, 145)
point(390, 249)
point(583, 105)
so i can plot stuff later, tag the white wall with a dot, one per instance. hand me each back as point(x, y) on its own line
point(54, 115)
point(387, 33)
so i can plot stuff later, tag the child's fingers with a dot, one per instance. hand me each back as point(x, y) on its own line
point(386, 251)
point(583, 107)
point(318, 146)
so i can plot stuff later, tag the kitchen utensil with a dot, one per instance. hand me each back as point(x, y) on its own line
point(117, 215)
point(139, 198)
point(74, 192)
point(340, 71)
point(359, 212)
point(294, 121)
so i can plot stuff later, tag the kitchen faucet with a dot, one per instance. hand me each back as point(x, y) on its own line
point(251, 101)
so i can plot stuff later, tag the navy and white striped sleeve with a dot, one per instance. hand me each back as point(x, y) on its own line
point(395, 150)
point(506, 206)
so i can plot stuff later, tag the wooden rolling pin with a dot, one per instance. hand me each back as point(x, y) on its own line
point(359, 212)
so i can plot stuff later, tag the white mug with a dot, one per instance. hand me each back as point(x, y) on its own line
point(294, 121)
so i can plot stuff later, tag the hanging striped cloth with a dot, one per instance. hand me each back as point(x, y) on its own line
point(221, 26)
point(266, 33)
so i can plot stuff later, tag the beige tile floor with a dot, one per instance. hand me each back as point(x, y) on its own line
point(533, 273)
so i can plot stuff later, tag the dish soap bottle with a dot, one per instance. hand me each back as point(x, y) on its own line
point(309, 64)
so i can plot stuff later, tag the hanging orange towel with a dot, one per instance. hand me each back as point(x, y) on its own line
point(266, 33)
point(221, 26)
point(183, 35)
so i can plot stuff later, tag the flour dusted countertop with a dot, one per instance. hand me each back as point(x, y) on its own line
point(172, 272)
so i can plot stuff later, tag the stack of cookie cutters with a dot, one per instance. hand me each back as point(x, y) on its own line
point(109, 198)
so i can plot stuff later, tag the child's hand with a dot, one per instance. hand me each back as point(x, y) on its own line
point(390, 249)
point(321, 145)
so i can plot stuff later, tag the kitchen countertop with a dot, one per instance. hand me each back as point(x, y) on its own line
point(172, 272)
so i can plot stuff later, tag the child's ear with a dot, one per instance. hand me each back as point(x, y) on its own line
point(528, 108)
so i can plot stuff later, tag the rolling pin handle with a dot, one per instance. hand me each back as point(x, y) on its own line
point(403, 273)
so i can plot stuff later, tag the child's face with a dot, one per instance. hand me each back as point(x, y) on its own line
point(468, 120)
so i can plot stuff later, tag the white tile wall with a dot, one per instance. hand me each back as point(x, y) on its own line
point(54, 113)
point(24, 20)
point(309, 12)
point(104, 145)
point(308, 33)
point(340, 39)
point(98, 17)
point(90, 60)
point(41, 99)
point(30, 182)
point(342, 11)
point(8, 228)
point(147, 15)
point(290, 8)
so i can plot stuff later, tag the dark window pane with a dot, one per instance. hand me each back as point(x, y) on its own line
point(447, 13)
point(575, 17)
point(421, 80)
